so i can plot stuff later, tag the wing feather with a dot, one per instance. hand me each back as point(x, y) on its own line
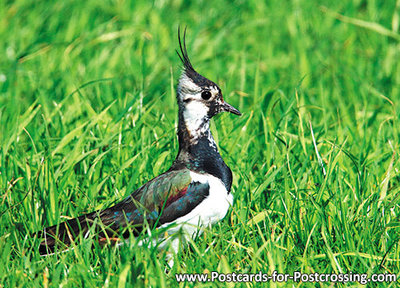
point(163, 199)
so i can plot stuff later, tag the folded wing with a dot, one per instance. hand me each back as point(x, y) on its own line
point(162, 200)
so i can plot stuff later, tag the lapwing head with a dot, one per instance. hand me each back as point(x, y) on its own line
point(198, 97)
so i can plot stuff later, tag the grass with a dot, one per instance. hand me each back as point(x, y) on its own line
point(88, 114)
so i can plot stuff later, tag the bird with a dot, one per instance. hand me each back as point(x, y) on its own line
point(195, 192)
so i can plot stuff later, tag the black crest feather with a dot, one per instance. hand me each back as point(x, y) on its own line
point(184, 55)
point(187, 65)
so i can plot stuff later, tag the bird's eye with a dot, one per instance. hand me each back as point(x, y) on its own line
point(206, 95)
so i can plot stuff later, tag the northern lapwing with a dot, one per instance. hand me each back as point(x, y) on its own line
point(195, 192)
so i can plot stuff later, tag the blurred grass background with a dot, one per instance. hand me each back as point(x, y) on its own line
point(88, 114)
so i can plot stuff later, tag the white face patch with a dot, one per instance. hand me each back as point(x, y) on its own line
point(195, 108)
point(194, 115)
point(187, 88)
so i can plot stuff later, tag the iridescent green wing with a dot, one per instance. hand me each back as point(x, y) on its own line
point(162, 200)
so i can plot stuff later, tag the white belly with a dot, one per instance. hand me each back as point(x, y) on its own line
point(208, 212)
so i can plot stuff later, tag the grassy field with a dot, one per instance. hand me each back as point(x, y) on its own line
point(88, 114)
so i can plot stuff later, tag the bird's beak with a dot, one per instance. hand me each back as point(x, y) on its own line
point(229, 108)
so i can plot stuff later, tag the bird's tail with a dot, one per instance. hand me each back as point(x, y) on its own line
point(63, 234)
